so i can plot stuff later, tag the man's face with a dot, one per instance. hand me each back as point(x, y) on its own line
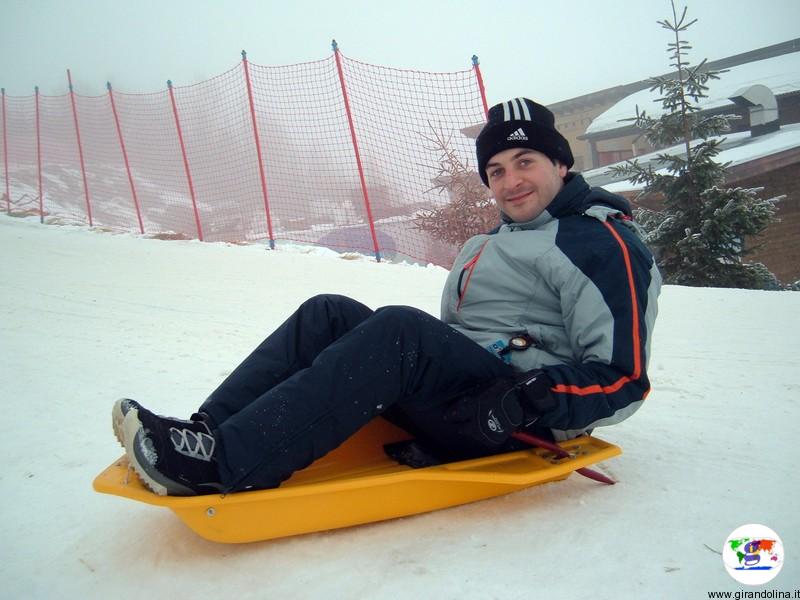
point(524, 182)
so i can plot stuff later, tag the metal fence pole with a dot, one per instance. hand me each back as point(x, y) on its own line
point(125, 157)
point(185, 161)
point(477, 68)
point(80, 149)
point(355, 149)
point(39, 159)
point(5, 155)
point(258, 150)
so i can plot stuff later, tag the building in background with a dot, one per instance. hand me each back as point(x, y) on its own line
point(762, 88)
point(591, 123)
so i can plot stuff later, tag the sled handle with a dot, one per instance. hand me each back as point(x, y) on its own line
point(535, 440)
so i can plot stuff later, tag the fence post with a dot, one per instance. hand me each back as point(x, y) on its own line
point(80, 149)
point(476, 67)
point(185, 160)
point(39, 159)
point(125, 157)
point(258, 150)
point(364, 191)
point(5, 154)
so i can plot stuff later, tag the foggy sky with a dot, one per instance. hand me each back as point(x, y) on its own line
point(525, 47)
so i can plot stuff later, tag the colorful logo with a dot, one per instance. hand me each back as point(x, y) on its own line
point(753, 554)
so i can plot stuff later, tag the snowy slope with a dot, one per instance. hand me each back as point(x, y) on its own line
point(88, 317)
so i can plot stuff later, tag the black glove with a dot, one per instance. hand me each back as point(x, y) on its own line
point(490, 414)
point(487, 414)
point(533, 388)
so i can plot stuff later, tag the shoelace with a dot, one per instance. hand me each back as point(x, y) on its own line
point(194, 444)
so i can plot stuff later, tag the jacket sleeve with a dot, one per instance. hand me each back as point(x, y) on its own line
point(607, 283)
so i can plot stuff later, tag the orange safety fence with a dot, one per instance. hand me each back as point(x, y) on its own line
point(334, 152)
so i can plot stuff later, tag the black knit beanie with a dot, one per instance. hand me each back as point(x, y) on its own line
point(521, 123)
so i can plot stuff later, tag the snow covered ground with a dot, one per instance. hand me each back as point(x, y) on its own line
point(88, 317)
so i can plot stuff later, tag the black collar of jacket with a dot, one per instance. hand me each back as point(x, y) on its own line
point(576, 196)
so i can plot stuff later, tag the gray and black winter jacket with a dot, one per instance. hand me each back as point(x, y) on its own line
point(579, 282)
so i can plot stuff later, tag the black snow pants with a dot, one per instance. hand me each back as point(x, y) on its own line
point(329, 369)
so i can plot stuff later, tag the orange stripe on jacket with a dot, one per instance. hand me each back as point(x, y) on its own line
point(471, 266)
point(637, 355)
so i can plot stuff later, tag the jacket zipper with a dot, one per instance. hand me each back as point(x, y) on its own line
point(468, 268)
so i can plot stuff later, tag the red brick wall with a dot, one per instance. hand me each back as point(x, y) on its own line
point(780, 250)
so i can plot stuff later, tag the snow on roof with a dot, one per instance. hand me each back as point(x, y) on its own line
point(737, 148)
point(781, 74)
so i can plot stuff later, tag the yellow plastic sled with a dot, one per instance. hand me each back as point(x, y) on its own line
point(357, 483)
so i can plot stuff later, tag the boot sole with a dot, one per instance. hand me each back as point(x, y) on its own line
point(117, 418)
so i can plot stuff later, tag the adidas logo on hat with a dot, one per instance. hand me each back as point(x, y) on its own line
point(518, 135)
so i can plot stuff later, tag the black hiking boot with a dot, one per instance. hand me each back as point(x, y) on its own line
point(173, 457)
point(124, 405)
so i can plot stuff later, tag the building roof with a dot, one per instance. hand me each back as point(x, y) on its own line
point(738, 149)
point(602, 96)
point(779, 73)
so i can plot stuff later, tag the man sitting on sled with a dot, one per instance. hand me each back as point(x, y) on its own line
point(545, 326)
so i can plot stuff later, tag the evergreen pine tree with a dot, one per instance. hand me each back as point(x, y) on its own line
point(700, 235)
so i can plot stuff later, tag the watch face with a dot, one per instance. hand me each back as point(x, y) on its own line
point(519, 342)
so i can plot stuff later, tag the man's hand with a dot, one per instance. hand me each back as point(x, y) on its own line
point(492, 413)
point(489, 414)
